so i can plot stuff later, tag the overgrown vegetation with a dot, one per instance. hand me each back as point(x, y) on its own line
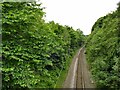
point(34, 52)
point(103, 50)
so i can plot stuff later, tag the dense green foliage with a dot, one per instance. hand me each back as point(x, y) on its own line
point(103, 51)
point(34, 52)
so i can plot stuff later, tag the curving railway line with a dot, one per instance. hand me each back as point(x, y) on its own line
point(79, 75)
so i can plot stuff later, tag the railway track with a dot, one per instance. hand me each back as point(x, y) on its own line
point(79, 75)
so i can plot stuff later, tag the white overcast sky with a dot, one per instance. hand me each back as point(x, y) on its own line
point(80, 14)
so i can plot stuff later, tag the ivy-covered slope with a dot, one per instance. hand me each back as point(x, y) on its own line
point(34, 52)
point(103, 51)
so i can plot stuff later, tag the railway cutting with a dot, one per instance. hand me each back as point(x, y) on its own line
point(79, 75)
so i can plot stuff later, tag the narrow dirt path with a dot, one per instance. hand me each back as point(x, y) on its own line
point(79, 75)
